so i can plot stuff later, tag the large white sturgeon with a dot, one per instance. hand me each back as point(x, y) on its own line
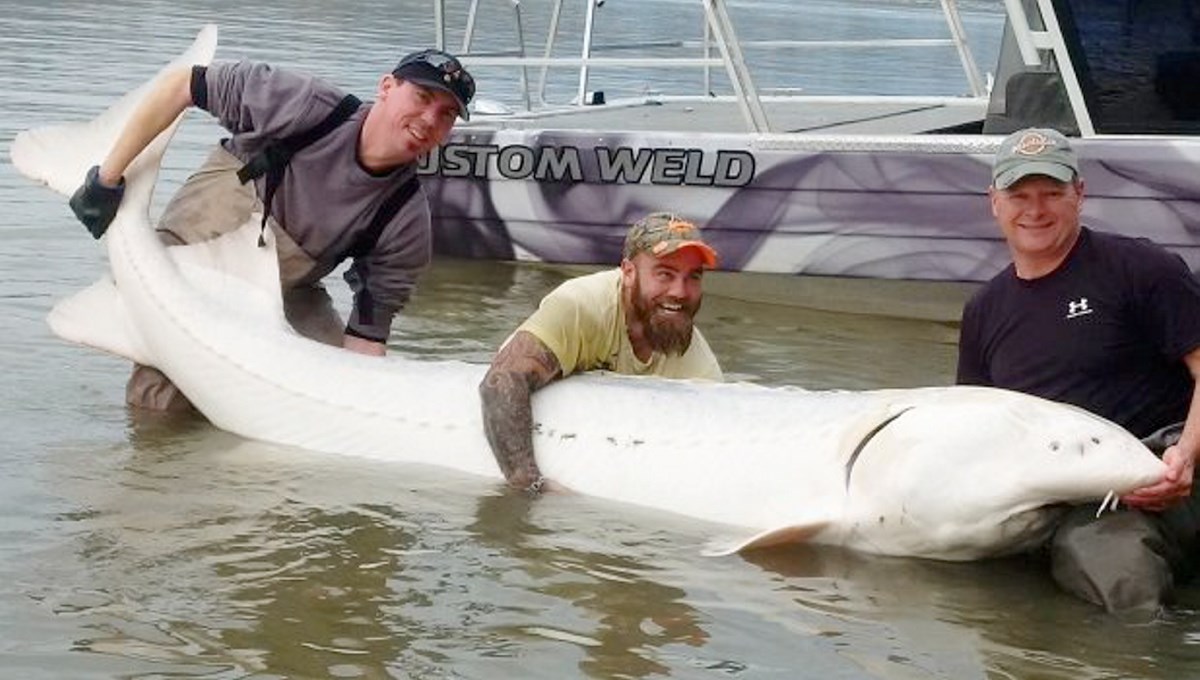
point(946, 472)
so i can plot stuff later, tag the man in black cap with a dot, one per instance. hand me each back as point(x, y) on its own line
point(1107, 323)
point(334, 179)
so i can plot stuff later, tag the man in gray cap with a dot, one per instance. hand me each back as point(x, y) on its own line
point(1107, 323)
point(635, 319)
point(332, 177)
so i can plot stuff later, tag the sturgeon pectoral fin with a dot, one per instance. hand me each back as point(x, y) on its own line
point(792, 533)
point(96, 317)
point(233, 268)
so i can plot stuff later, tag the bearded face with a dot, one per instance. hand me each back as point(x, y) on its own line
point(664, 314)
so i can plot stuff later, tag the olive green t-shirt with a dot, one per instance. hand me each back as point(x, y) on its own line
point(583, 323)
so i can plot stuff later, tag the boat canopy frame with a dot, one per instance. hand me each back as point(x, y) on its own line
point(1050, 39)
point(720, 47)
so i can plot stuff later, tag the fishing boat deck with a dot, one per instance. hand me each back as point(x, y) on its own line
point(792, 114)
point(728, 100)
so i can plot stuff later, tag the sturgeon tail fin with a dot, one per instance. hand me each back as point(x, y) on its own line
point(60, 155)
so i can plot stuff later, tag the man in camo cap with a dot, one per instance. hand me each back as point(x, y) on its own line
point(635, 319)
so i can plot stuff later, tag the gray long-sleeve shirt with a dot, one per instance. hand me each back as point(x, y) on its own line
point(326, 199)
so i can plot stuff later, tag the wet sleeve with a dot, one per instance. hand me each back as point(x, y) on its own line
point(383, 280)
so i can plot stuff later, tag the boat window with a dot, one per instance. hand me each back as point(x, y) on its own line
point(1025, 96)
point(1138, 62)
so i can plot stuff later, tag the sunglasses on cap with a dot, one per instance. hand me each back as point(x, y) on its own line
point(440, 70)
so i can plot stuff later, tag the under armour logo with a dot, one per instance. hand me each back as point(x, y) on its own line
point(1076, 308)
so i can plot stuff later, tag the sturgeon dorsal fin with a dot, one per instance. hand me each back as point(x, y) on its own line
point(235, 272)
point(791, 533)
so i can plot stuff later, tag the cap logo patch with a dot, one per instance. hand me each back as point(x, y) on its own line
point(679, 228)
point(1033, 144)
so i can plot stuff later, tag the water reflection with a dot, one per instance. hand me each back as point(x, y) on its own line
point(994, 618)
point(627, 617)
point(142, 546)
point(814, 334)
point(201, 551)
point(189, 550)
point(489, 299)
point(316, 594)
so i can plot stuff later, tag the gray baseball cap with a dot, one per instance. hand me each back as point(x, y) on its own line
point(1034, 151)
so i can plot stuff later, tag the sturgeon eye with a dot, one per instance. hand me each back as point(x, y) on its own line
point(1095, 440)
point(1054, 446)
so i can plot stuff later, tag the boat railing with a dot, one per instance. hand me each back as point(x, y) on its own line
point(719, 48)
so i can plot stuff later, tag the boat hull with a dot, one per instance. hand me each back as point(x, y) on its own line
point(904, 207)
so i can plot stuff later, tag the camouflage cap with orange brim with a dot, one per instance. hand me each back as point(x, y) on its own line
point(663, 233)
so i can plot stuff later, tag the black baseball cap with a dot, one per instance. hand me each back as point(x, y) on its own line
point(442, 71)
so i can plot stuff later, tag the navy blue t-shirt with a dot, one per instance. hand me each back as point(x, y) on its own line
point(1106, 331)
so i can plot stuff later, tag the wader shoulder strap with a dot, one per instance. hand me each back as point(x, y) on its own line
point(391, 205)
point(273, 159)
point(365, 243)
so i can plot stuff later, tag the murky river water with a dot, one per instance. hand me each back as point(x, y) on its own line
point(166, 548)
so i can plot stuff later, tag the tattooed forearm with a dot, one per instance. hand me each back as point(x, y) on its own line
point(522, 366)
point(508, 423)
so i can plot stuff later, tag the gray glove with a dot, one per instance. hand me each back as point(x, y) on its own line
point(95, 203)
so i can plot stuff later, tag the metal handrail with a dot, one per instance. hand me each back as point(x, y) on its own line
point(958, 35)
point(718, 33)
point(717, 15)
